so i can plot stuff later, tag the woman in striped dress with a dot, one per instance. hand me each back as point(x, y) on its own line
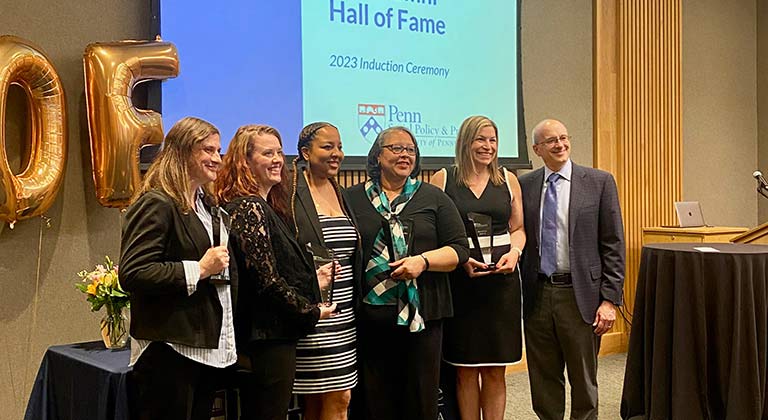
point(326, 359)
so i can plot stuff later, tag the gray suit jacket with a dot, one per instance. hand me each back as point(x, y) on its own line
point(596, 235)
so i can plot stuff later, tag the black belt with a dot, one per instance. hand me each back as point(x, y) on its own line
point(557, 279)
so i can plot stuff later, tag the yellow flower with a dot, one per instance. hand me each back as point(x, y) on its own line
point(108, 279)
point(92, 289)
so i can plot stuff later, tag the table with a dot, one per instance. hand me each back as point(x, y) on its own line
point(87, 381)
point(699, 338)
point(81, 381)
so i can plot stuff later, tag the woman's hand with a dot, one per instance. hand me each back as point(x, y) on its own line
point(407, 268)
point(324, 274)
point(472, 264)
point(507, 262)
point(327, 310)
point(214, 261)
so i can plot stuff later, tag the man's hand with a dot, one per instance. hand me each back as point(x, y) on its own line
point(605, 317)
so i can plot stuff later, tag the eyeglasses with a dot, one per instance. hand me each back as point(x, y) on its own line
point(399, 149)
point(565, 138)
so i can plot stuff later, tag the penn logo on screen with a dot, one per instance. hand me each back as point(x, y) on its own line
point(370, 118)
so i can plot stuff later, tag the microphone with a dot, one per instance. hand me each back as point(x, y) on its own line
point(759, 177)
point(762, 185)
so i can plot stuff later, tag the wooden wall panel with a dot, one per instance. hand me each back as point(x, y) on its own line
point(349, 178)
point(638, 115)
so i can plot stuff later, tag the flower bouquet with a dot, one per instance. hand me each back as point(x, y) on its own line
point(102, 289)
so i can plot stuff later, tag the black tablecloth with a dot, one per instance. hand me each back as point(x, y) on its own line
point(81, 381)
point(699, 336)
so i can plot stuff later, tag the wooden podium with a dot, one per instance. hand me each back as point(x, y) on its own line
point(693, 234)
point(758, 235)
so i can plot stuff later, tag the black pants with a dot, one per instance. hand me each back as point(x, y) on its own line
point(399, 370)
point(265, 392)
point(167, 385)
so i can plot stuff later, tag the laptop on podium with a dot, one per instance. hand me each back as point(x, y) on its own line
point(689, 214)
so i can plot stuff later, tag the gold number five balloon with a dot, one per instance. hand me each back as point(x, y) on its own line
point(33, 191)
point(118, 130)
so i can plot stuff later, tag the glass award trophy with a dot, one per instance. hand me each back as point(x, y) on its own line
point(480, 231)
point(216, 220)
point(320, 257)
point(408, 234)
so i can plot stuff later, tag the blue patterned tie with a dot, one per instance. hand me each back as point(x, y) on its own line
point(549, 227)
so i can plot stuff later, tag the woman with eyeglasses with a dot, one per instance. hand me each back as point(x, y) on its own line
point(412, 237)
point(484, 335)
point(274, 307)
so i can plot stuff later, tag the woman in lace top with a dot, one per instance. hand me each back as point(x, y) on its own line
point(272, 309)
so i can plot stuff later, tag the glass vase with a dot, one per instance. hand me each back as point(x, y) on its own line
point(114, 327)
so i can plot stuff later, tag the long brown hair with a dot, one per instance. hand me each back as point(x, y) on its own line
point(463, 160)
point(169, 172)
point(235, 177)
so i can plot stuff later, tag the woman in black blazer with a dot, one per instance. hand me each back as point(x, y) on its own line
point(326, 360)
point(275, 307)
point(182, 331)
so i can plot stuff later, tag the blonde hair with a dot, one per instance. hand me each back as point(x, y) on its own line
point(235, 177)
point(463, 160)
point(169, 172)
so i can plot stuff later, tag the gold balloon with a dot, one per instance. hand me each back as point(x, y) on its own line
point(33, 191)
point(119, 130)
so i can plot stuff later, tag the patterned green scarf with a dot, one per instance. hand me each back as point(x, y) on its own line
point(383, 290)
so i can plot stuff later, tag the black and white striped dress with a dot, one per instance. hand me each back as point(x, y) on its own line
point(326, 359)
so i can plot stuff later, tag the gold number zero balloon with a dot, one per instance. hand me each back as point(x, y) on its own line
point(118, 129)
point(33, 191)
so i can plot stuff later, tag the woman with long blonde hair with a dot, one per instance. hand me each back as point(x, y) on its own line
point(486, 297)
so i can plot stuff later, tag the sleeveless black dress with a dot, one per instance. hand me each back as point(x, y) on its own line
point(486, 328)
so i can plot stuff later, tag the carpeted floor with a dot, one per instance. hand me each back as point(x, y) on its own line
point(610, 379)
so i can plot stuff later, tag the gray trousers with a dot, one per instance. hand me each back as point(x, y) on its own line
point(556, 337)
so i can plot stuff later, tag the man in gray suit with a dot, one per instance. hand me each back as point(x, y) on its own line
point(573, 273)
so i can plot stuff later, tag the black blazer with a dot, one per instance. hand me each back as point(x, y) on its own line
point(274, 304)
point(157, 236)
point(596, 236)
point(306, 225)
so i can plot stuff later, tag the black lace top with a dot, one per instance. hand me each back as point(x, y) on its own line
point(271, 304)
